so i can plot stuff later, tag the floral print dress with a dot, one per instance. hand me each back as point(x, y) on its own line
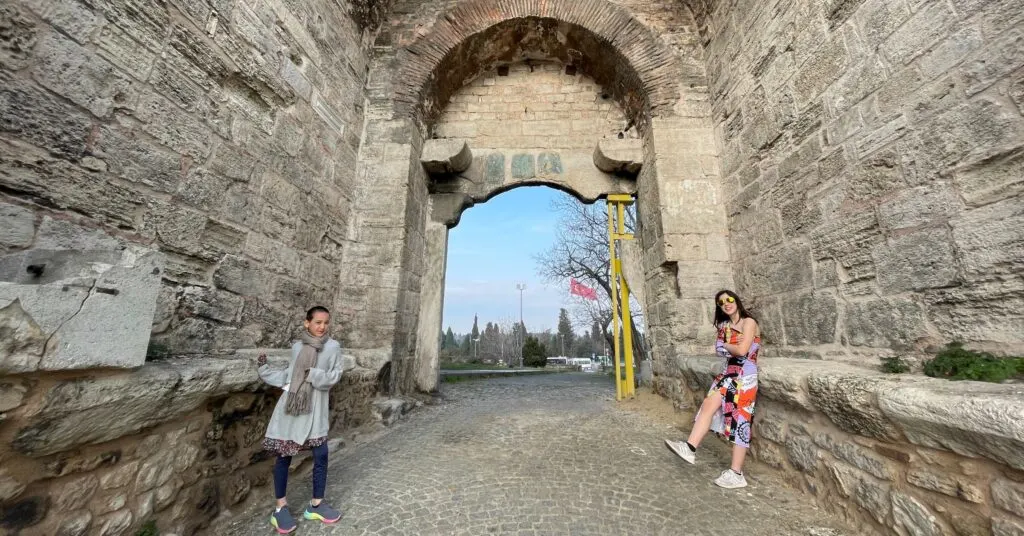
point(738, 387)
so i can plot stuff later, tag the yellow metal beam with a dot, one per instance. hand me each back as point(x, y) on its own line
point(623, 341)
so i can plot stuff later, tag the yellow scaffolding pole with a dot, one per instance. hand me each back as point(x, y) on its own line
point(623, 342)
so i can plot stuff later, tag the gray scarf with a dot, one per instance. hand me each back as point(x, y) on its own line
point(300, 390)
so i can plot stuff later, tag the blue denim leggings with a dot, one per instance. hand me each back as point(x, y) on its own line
point(319, 473)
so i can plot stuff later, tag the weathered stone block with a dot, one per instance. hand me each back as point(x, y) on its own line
point(909, 514)
point(925, 27)
point(989, 239)
point(879, 18)
point(1002, 526)
point(915, 261)
point(445, 157)
point(933, 204)
point(856, 84)
point(875, 177)
point(75, 524)
point(882, 136)
point(18, 35)
point(810, 318)
point(895, 322)
point(17, 226)
point(952, 137)
point(851, 402)
point(176, 130)
point(95, 410)
point(115, 524)
point(619, 156)
point(9, 487)
point(76, 492)
point(778, 270)
point(946, 415)
point(950, 52)
point(1001, 57)
point(802, 453)
point(123, 50)
point(75, 19)
point(43, 120)
point(866, 492)
point(825, 65)
point(82, 77)
point(857, 456)
point(108, 324)
point(1008, 495)
point(992, 179)
point(946, 484)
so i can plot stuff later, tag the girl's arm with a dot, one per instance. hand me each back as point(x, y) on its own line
point(747, 326)
point(322, 379)
point(275, 377)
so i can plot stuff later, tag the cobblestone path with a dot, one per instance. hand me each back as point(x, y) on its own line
point(547, 454)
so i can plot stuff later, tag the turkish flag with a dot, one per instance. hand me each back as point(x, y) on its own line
point(581, 290)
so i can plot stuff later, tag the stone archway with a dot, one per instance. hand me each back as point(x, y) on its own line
point(638, 72)
point(599, 37)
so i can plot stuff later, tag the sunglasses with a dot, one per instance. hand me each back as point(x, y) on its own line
point(726, 299)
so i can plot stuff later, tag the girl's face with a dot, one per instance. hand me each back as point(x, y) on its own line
point(319, 324)
point(728, 304)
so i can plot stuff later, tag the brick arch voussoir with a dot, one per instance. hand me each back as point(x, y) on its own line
point(649, 83)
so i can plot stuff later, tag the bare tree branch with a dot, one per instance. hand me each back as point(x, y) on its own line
point(581, 252)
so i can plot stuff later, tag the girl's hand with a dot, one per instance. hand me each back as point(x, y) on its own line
point(261, 360)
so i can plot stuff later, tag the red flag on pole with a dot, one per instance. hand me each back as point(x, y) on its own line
point(581, 290)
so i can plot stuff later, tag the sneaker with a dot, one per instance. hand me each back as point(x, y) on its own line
point(731, 480)
point(682, 450)
point(322, 512)
point(283, 521)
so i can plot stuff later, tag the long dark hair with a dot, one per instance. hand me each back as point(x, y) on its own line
point(720, 316)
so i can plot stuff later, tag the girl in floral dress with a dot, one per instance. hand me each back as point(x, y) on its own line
point(728, 408)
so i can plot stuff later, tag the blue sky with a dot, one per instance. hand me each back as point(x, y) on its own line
point(492, 249)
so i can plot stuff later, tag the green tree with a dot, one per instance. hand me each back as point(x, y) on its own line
point(566, 336)
point(449, 339)
point(534, 353)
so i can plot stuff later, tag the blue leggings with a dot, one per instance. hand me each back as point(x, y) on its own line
point(319, 473)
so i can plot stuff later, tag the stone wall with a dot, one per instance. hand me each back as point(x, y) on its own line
point(222, 135)
point(871, 160)
point(872, 155)
point(174, 443)
point(893, 454)
point(535, 105)
point(176, 183)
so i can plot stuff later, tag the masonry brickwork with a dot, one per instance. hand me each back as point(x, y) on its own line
point(852, 167)
point(532, 106)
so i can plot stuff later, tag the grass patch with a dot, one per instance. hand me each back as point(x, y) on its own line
point(472, 366)
point(894, 365)
point(956, 363)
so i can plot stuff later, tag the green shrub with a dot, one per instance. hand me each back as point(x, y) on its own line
point(149, 529)
point(956, 363)
point(894, 365)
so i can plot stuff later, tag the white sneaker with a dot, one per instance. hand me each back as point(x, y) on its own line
point(730, 479)
point(682, 450)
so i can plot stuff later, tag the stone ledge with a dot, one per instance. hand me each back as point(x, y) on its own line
point(974, 419)
point(102, 408)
